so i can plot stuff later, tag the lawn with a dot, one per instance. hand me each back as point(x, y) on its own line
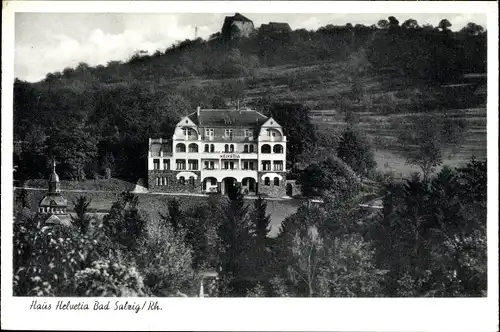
point(154, 203)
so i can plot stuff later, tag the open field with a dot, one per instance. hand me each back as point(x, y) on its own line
point(383, 137)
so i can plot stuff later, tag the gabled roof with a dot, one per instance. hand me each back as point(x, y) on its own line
point(63, 219)
point(228, 118)
point(53, 201)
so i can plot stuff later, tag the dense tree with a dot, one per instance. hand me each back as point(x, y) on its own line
point(410, 24)
point(260, 219)
point(330, 175)
point(307, 253)
point(124, 224)
point(425, 142)
point(434, 238)
point(393, 22)
point(354, 149)
point(105, 277)
point(349, 269)
point(165, 260)
point(260, 255)
point(234, 236)
point(47, 257)
point(297, 127)
point(444, 25)
point(383, 24)
point(174, 216)
point(82, 219)
point(472, 29)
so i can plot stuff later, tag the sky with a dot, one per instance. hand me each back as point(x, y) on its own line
point(48, 42)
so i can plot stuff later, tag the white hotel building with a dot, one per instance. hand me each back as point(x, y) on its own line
point(213, 149)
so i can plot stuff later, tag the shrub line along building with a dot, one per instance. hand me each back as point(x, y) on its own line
point(212, 150)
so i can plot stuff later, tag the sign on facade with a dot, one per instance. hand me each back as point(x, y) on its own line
point(230, 156)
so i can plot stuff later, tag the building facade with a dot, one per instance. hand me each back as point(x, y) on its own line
point(236, 26)
point(215, 149)
point(277, 27)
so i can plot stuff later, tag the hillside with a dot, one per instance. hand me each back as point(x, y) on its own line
point(92, 118)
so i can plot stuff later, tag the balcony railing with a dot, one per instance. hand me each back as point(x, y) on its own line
point(161, 154)
point(230, 138)
point(272, 139)
point(235, 168)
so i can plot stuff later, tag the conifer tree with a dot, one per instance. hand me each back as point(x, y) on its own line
point(174, 215)
point(234, 237)
point(82, 219)
point(260, 219)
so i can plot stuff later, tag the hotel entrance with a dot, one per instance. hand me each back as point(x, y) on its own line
point(228, 184)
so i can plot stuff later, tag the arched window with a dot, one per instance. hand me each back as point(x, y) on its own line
point(213, 181)
point(267, 181)
point(182, 180)
point(251, 148)
point(212, 148)
point(278, 148)
point(244, 182)
point(226, 148)
point(276, 181)
point(231, 148)
point(266, 148)
point(206, 148)
point(245, 148)
point(193, 147)
point(191, 180)
point(180, 147)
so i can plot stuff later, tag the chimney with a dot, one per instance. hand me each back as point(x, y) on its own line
point(198, 111)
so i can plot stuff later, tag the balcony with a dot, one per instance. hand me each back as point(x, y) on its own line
point(185, 138)
point(160, 154)
point(231, 138)
point(272, 139)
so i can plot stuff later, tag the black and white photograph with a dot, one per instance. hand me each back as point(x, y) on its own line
point(248, 154)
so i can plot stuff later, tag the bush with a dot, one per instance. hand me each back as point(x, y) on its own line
point(107, 277)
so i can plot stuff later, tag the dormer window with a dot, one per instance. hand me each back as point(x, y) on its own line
point(209, 132)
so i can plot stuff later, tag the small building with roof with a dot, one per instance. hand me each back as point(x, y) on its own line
point(236, 26)
point(213, 150)
point(275, 27)
point(54, 203)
